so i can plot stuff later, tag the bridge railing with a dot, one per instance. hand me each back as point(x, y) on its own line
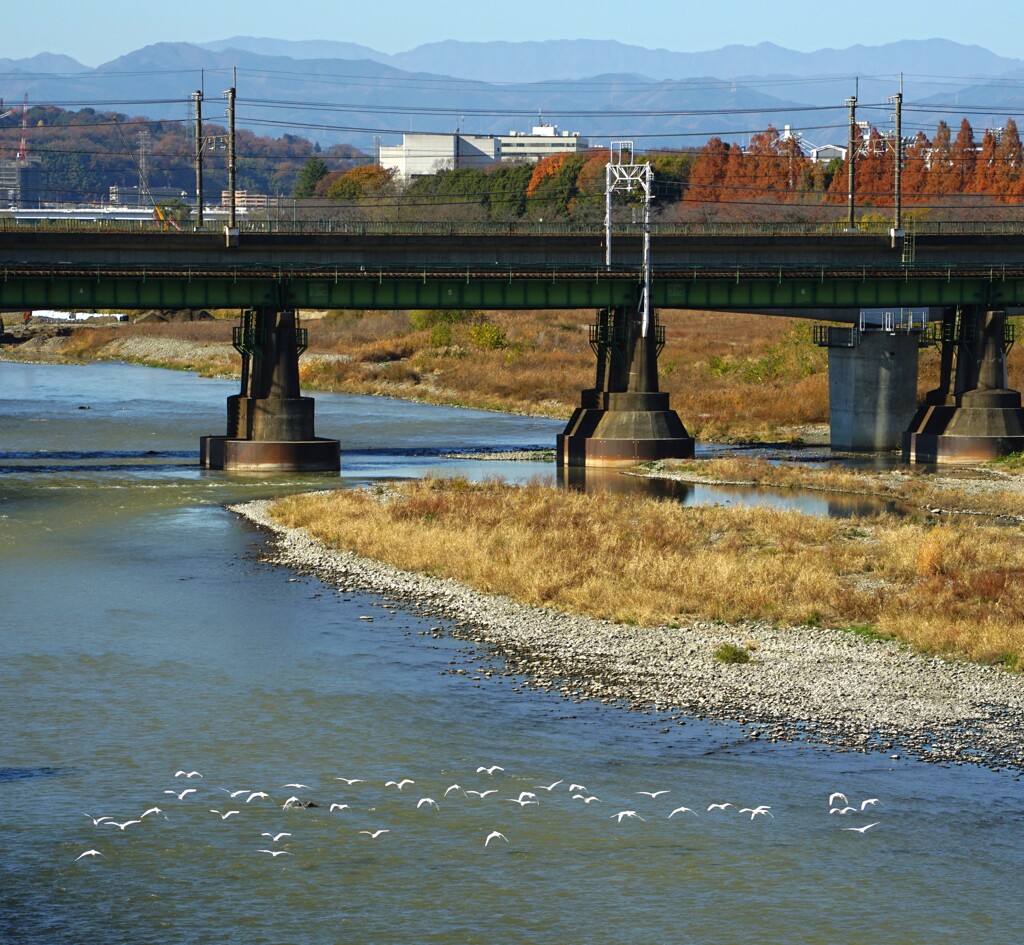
point(525, 228)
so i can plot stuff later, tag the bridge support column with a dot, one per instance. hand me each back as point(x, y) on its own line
point(624, 419)
point(270, 425)
point(982, 419)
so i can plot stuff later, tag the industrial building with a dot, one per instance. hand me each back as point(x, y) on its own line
point(420, 155)
point(542, 141)
point(20, 184)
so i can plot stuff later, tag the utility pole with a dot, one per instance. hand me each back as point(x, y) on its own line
point(851, 161)
point(197, 99)
point(230, 95)
point(897, 176)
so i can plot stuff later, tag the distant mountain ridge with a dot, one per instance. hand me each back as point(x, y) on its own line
point(548, 60)
point(337, 92)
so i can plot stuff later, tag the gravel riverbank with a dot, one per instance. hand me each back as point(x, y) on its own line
point(823, 686)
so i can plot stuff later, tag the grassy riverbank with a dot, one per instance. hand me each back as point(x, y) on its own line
point(953, 588)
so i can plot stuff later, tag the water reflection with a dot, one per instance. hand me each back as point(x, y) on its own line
point(831, 505)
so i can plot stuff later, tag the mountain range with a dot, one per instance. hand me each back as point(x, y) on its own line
point(334, 92)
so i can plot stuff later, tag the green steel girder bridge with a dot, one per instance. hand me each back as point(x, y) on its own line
point(814, 271)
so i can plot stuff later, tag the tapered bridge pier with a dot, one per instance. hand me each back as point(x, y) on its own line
point(981, 418)
point(270, 424)
point(624, 419)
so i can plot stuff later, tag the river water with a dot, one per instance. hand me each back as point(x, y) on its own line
point(142, 637)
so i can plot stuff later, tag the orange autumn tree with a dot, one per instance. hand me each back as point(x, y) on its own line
point(709, 172)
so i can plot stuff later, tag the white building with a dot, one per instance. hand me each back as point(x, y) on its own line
point(541, 142)
point(422, 154)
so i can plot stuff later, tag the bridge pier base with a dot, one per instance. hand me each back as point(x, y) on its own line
point(624, 419)
point(983, 419)
point(270, 425)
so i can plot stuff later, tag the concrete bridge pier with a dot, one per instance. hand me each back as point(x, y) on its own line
point(624, 419)
point(270, 425)
point(982, 418)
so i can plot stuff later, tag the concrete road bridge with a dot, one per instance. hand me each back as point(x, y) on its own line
point(967, 277)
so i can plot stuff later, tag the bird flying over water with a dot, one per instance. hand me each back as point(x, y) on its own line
point(399, 784)
point(225, 815)
point(484, 770)
point(653, 794)
point(837, 795)
point(760, 811)
point(187, 774)
point(495, 835)
point(350, 781)
point(426, 800)
point(547, 787)
point(152, 810)
point(627, 814)
point(683, 810)
point(482, 793)
point(183, 794)
point(374, 834)
point(276, 852)
point(863, 829)
point(256, 794)
point(335, 807)
point(275, 837)
point(127, 823)
point(88, 853)
point(719, 806)
point(586, 798)
point(96, 821)
point(870, 802)
point(453, 787)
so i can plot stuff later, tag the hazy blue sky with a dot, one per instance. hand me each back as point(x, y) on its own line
point(96, 31)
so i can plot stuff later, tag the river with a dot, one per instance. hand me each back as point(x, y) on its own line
point(143, 640)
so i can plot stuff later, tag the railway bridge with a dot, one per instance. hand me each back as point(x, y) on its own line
point(963, 278)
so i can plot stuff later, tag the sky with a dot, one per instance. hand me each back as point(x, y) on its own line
point(94, 33)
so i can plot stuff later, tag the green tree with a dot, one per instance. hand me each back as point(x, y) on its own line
point(309, 176)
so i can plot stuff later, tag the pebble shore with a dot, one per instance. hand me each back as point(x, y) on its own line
point(821, 686)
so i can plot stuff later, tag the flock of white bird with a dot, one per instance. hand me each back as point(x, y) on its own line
point(838, 804)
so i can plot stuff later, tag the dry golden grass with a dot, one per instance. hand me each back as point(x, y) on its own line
point(953, 589)
point(997, 490)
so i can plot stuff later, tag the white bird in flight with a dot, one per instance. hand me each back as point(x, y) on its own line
point(152, 810)
point(624, 814)
point(275, 837)
point(490, 770)
point(837, 794)
point(88, 853)
point(521, 801)
point(426, 800)
point(350, 781)
point(870, 802)
point(96, 821)
point(529, 795)
point(719, 806)
point(335, 807)
point(127, 823)
point(843, 810)
point(297, 787)
point(288, 803)
point(548, 787)
point(399, 784)
point(577, 787)
point(183, 794)
point(276, 852)
point(653, 794)
point(225, 815)
point(374, 834)
point(187, 774)
point(256, 794)
point(495, 835)
point(234, 794)
point(482, 793)
point(761, 811)
point(864, 828)
point(453, 787)
point(683, 810)
point(586, 798)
